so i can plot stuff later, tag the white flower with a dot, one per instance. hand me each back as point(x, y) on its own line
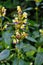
point(25, 14)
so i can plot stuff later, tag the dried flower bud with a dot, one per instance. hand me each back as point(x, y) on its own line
point(18, 36)
point(24, 34)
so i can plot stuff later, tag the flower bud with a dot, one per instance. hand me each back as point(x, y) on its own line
point(18, 36)
point(5, 27)
point(19, 9)
point(25, 15)
point(25, 21)
point(23, 26)
point(41, 31)
point(2, 11)
point(14, 41)
point(24, 34)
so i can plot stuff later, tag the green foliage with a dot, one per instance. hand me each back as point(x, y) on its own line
point(19, 62)
point(28, 51)
point(4, 54)
point(39, 58)
point(7, 38)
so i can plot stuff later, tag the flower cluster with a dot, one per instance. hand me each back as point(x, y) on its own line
point(20, 24)
point(2, 11)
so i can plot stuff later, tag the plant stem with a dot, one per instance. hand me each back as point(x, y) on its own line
point(37, 16)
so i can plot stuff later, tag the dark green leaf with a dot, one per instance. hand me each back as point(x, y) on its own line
point(36, 34)
point(7, 38)
point(39, 58)
point(41, 39)
point(30, 8)
point(7, 4)
point(31, 39)
point(28, 48)
point(4, 54)
point(19, 62)
point(20, 46)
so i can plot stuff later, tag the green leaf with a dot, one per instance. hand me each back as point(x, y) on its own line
point(31, 22)
point(7, 4)
point(30, 53)
point(39, 58)
point(20, 46)
point(2, 64)
point(7, 38)
point(41, 39)
point(4, 54)
point(29, 8)
point(10, 3)
point(36, 34)
point(0, 47)
point(40, 49)
point(31, 39)
point(29, 48)
point(15, 3)
point(19, 62)
point(7, 64)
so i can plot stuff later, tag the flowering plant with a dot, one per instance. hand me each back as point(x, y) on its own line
point(21, 32)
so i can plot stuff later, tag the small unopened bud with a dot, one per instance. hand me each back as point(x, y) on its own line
point(41, 31)
point(36, 8)
point(19, 9)
point(5, 27)
point(14, 41)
